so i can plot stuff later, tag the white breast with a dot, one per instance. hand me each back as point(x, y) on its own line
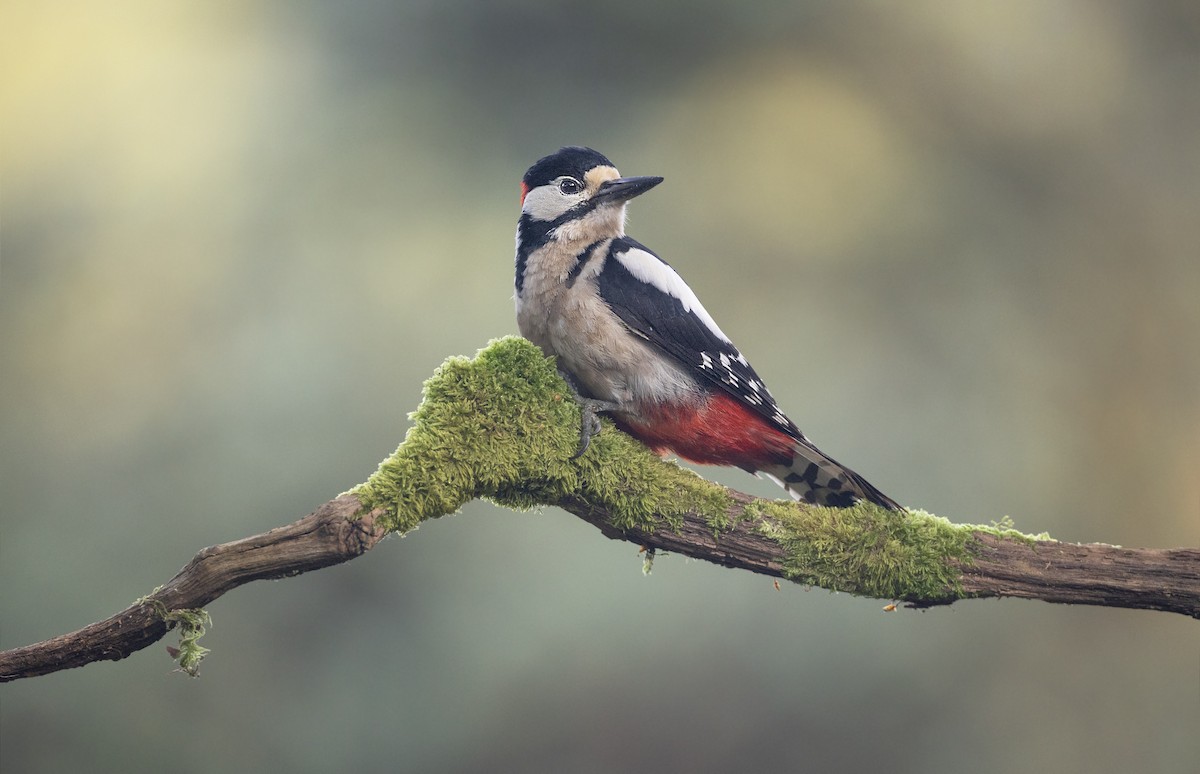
point(607, 360)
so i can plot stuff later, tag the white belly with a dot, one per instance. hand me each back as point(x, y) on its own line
point(591, 343)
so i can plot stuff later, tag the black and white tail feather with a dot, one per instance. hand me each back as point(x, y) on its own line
point(814, 477)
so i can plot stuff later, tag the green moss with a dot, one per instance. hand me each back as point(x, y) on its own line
point(871, 551)
point(192, 623)
point(503, 426)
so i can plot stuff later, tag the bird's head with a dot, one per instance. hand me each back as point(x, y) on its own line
point(577, 194)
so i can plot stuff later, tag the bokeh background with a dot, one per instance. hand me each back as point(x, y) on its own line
point(960, 240)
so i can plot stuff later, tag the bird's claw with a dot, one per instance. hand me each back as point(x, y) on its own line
point(590, 424)
point(589, 409)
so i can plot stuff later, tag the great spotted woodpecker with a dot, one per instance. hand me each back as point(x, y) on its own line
point(633, 340)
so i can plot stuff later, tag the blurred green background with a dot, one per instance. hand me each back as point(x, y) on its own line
point(960, 240)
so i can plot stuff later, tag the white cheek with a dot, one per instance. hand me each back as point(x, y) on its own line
point(546, 203)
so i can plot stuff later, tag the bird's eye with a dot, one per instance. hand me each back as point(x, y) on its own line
point(570, 186)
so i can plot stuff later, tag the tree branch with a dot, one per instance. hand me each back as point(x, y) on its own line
point(998, 566)
point(502, 427)
point(329, 535)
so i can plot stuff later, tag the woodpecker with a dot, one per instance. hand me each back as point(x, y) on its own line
point(633, 340)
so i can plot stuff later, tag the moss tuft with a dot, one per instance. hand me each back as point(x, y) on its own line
point(192, 623)
point(503, 426)
point(871, 551)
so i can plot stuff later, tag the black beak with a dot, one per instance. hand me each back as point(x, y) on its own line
point(624, 188)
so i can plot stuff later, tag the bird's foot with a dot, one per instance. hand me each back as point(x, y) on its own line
point(589, 408)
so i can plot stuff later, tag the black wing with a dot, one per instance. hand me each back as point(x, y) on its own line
point(651, 298)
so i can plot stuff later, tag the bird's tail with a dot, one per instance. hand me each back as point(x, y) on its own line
point(815, 477)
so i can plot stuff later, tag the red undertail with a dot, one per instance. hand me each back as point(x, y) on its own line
point(720, 431)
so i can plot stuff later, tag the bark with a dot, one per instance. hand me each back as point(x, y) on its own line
point(1086, 574)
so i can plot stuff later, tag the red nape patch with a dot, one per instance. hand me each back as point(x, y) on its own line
point(524, 192)
point(720, 431)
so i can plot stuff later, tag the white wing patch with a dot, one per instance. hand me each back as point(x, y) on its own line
point(649, 269)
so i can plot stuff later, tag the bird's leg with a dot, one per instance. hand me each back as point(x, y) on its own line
point(589, 409)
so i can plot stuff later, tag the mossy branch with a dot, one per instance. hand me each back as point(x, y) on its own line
point(502, 426)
